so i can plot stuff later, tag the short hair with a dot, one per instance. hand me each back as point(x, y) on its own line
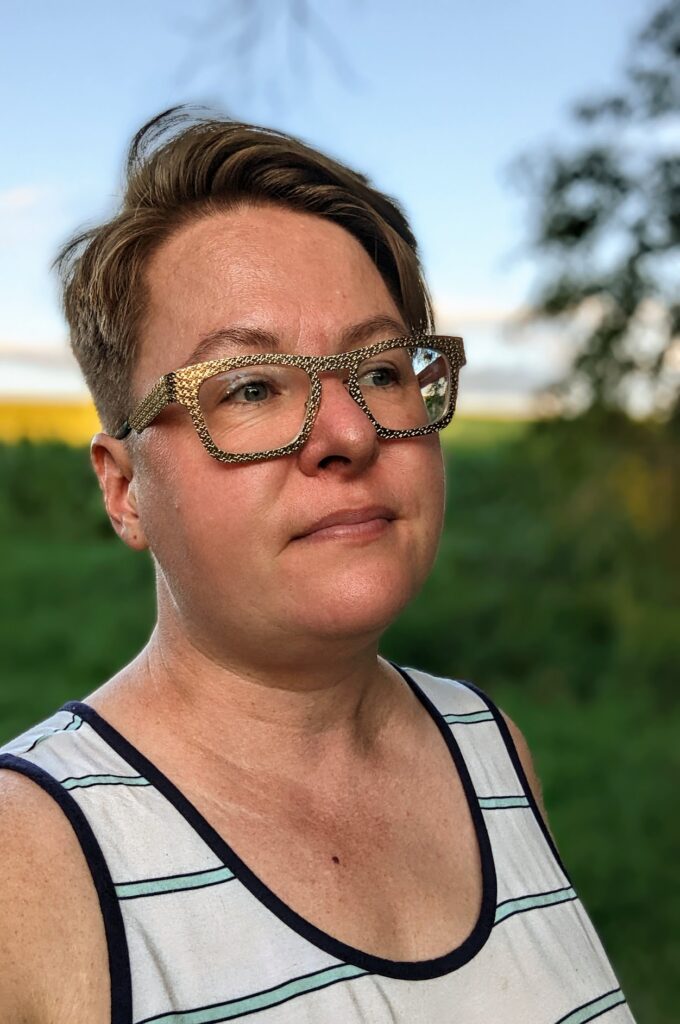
point(180, 166)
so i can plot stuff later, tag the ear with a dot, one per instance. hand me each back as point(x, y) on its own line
point(112, 464)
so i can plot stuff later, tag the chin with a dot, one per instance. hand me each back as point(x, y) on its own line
point(355, 603)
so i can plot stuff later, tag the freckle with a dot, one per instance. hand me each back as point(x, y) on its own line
point(336, 860)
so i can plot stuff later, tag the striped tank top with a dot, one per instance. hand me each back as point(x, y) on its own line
point(195, 937)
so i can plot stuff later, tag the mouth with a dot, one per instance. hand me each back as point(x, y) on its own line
point(358, 523)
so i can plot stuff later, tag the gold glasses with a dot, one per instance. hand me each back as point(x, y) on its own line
point(253, 407)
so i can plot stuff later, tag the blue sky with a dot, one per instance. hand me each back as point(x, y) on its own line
point(446, 95)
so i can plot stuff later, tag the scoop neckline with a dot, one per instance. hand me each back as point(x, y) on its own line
point(370, 963)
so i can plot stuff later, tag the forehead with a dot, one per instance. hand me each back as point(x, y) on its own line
point(299, 277)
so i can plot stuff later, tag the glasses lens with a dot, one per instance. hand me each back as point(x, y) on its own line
point(406, 387)
point(254, 408)
point(260, 408)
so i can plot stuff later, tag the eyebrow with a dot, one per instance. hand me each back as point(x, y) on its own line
point(212, 345)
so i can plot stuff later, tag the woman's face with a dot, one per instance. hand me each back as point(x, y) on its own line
point(225, 536)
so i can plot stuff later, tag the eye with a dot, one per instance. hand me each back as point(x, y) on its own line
point(251, 392)
point(381, 376)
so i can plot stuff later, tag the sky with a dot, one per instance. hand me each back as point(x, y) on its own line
point(432, 100)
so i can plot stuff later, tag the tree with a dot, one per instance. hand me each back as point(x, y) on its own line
point(606, 226)
point(263, 47)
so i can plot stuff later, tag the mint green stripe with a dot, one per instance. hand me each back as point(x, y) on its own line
point(105, 780)
point(586, 1013)
point(54, 731)
point(490, 802)
point(541, 899)
point(473, 716)
point(154, 886)
point(261, 1000)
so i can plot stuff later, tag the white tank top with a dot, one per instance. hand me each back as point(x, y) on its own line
point(194, 937)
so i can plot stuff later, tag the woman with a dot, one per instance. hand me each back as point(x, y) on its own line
point(260, 815)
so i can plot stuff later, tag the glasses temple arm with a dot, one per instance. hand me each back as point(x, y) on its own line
point(123, 431)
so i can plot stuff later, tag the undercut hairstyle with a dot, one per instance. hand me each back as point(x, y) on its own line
point(181, 166)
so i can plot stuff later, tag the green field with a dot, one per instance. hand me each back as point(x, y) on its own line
point(556, 590)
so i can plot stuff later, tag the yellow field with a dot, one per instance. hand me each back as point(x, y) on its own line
point(76, 422)
point(73, 422)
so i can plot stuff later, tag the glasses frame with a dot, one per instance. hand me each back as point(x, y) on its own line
point(182, 386)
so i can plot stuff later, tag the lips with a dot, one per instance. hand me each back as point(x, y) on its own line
point(348, 516)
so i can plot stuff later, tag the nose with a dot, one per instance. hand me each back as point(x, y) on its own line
point(342, 436)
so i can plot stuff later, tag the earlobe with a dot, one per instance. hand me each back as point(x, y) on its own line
point(115, 473)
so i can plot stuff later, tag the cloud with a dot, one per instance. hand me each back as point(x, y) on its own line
point(447, 312)
point(32, 219)
point(45, 356)
point(21, 198)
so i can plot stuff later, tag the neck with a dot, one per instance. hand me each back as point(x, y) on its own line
point(295, 714)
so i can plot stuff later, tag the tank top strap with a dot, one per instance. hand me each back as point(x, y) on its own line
point(480, 732)
point(116, 797)
point(526, 859)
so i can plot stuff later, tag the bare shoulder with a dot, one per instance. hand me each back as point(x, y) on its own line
point(527, 763)
point(53, 954)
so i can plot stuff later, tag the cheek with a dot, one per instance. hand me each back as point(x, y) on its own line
point(423, 473)
point(192, 505)
point(429, 486)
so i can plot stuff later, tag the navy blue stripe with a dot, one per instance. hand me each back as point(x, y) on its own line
point(119, 960)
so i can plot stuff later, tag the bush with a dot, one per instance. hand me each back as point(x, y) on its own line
point(556, 590)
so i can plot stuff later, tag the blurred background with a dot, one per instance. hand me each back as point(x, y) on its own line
point(536, 149)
